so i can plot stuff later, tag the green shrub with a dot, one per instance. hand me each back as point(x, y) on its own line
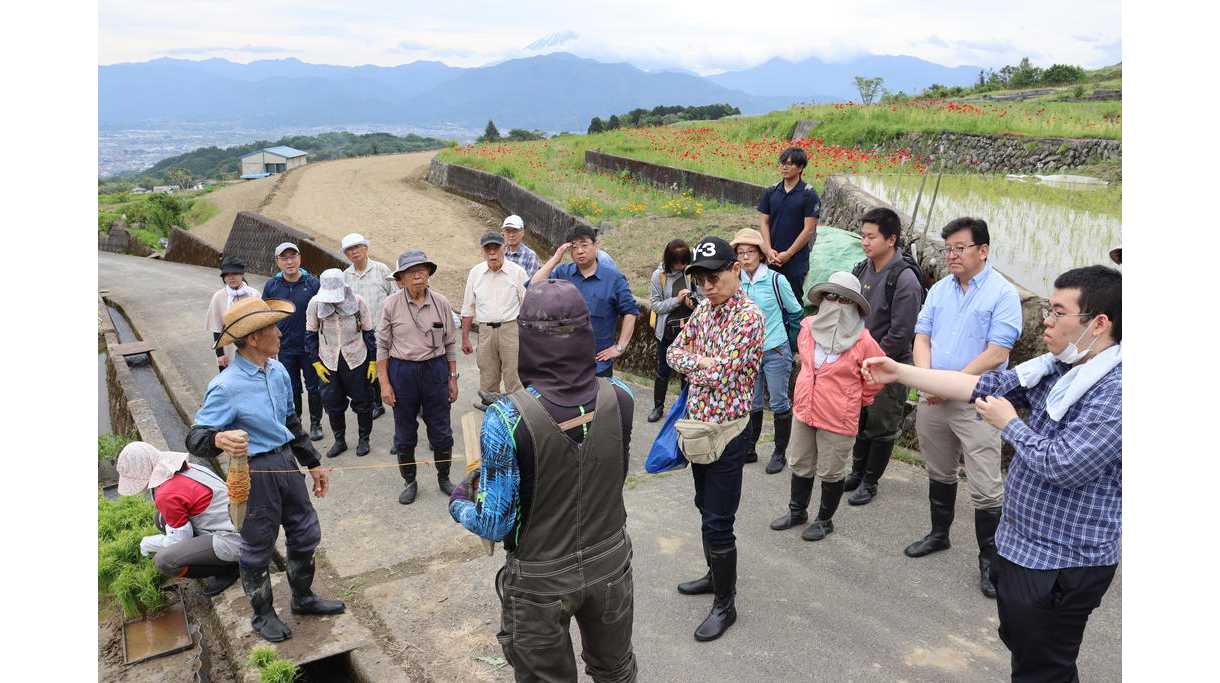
point(585, 206)
point(109, 445)
point(506, 172)
point(1078, 91)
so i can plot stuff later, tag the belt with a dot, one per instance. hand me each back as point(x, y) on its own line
point(491, 325)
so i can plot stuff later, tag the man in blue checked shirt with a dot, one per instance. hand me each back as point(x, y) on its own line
point(550, 486)
point(1059, 537)
point(969, 323)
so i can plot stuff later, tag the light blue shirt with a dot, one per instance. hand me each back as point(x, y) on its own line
point(962, 324)
point(761, 291)
point(257, 400)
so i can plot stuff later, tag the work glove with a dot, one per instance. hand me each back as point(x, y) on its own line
point(466, 490)
point(372, 375)
point(323, 373)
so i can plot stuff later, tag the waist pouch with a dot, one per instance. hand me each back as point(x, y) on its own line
point(703, 442)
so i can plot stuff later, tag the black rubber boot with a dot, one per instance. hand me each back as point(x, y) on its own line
point(724, 585)
point(364, 422)
point(378, 408)
point(755, 427)
point(783, 431)
point(798, 504)
point(659, 387)
point(315, 416)
point(701, 585)
point(859, 461)
point(941, 498)
point(218, 577)
point(878, 458)
point(266, 623)
point(832, 493)
point(338, 426)
point(985, 523)
point(300, 578)
point(442, 472)
point(406, 467)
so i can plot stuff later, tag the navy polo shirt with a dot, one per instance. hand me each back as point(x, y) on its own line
point(788, 211)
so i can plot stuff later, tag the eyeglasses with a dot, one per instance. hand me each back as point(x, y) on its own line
point(705, 278)
point(741, 253)
point(832, 297)
point(955, 250)
point(1048, 312)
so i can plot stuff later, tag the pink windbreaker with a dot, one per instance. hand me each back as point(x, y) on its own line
point(830, 397)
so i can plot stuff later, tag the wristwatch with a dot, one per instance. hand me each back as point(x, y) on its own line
point(620, 348)
point(454, 375)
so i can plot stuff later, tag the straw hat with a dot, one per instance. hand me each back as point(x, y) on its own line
point(141, 466)
point(748, 236)
point(843, 284)
point(251, 315)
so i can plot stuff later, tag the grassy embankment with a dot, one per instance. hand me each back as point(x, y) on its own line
point(641, 219)
point(157, 212)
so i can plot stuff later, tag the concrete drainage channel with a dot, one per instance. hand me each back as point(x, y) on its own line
point(216, 653)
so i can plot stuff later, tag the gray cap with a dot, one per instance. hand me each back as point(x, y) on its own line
point(413, 257)
point(285, 246)
point(491, 237)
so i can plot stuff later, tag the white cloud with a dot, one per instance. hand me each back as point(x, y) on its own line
point(704, 37)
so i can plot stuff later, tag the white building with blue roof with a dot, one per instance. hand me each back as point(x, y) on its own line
point(271, 160)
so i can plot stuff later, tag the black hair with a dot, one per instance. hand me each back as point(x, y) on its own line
point(1101, 292)
point(796, 155)
point(886, 220)
point(580, 231)
point(677, 251)
point(976, 226)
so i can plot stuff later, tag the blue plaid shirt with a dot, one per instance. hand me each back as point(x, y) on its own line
point(524, 257)
point(1063, 499)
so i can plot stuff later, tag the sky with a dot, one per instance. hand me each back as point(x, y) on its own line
point(701, 37)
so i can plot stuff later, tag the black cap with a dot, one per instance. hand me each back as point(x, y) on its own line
point(712, 253)
point(491, 237)
point(232, 265)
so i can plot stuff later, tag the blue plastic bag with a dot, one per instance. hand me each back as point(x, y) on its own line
point(664, 454)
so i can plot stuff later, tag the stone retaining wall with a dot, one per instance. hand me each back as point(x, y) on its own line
point(120, 241)
point(186, 248)
point(542, 218)
point(1005, 153)
point(254, 237)
point(713, 187)
point(129, 411)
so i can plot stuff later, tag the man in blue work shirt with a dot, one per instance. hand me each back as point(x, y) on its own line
point(294, 283)
point(1059, 540)
point(969, 323)
point(605, 291)
point(247, 411)
point(789, 220)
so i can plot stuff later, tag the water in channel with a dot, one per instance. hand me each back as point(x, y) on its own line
point(1038, 230)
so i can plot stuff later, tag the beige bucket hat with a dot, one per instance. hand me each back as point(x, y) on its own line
point(843, 284)
point(251, 315)
point(141, 466)
point(747, 236)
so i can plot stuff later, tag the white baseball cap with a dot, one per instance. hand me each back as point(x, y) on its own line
point(514, 221)
point(285, 246)
point(352, 239)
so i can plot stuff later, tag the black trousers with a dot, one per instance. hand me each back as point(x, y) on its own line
point(539, 600)
point(348, 384)
point(277, 499)
point(718, 492)
point(1043, 614)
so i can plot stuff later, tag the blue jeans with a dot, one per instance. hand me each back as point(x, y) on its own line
point(773, 376)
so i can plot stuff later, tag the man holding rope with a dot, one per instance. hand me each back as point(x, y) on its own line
point(248, 412)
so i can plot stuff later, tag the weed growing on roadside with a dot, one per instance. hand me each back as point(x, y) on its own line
point(109, 445)
point(272, 668)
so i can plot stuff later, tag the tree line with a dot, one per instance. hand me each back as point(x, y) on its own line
point(1010, 77)
point(662, 115)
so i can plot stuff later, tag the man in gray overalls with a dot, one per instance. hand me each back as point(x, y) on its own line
point(555, 456)
point(248, 410)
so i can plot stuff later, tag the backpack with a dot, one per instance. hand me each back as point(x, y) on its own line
point(792, 321)
point(891, 280)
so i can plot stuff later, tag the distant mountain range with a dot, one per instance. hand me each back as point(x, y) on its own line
point(553, 92)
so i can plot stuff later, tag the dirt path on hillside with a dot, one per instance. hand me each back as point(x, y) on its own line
point(385, 198)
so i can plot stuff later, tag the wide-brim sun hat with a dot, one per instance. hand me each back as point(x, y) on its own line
point(747, 236)
point(332, 286)
point(251, 315)
point(410, 259)
point(843, 284)
point(142, 466)
point(352, 239)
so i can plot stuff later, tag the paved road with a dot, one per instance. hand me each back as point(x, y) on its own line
point(849, 608)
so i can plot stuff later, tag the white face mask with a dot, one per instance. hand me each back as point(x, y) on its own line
point(1071, 354)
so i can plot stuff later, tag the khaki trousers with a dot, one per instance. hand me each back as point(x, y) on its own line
point(952, 430)
point(816, 451)
point(497, 358)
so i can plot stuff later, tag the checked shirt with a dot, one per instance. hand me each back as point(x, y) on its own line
point(1063, 499)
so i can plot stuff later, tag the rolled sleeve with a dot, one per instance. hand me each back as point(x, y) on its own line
point(624, 300)
point(1006, 322)
point(1004, 383)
